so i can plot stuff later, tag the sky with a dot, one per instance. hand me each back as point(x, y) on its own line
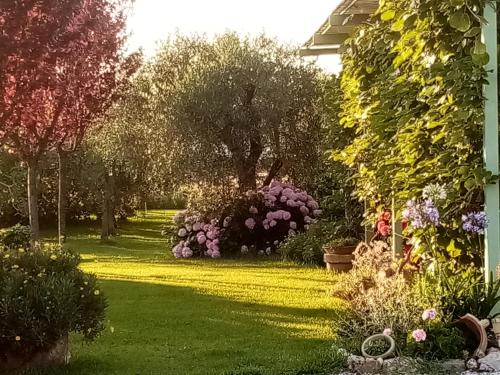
point(290, 21)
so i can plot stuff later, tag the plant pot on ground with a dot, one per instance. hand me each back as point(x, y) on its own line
point(339, 254)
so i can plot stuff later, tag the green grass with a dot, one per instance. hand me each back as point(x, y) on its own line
point(199, 317)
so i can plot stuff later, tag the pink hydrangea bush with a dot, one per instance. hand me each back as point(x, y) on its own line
point(260, 220)
point(195, 236)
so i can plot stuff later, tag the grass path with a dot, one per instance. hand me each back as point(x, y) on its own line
point(199, 317)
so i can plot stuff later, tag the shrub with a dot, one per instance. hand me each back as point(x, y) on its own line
point(195, 235)
point(16, 237)
point(261, 220)
point(43, 297)
point(256, 222)
point(307, 247)
point(383, 301)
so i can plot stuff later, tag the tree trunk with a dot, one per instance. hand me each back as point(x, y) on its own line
point(62, 203)
point(107, 219)
point(247, 179)
point(33, 202)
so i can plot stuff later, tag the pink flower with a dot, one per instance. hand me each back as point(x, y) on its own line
point(287, 192)
point(304, 210)
point(287, 215)
point(253, 210)
point(201, 239)
point(273, 223)
point(215, 254)
point(270, 215)
point(291, 203)
point(387, 332)
point(250, 223)
point(197, 227)
point(429, 314)
point(177, 250)
point(293, 225)
point(312, 204)
point(283, 199)
point(419, 335)
point(266, 226)
point(187, 252)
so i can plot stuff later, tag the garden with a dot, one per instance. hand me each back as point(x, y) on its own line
point(228, 207)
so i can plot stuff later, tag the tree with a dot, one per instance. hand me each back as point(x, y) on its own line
point(61, 65)
point(233, 109)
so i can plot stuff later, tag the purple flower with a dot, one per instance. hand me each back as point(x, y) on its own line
point(429, 314)
point(419, 335)
point(250, 223)
point(475, 222)
point(421, 214)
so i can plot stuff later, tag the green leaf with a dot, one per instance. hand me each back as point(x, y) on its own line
point(479, 48)
point(398, 25)
point(460, 21)
point(481, 59)
point(470, 184)
point(472, 32)
point(387, 15)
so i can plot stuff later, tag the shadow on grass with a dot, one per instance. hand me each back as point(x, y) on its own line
point(161, 329)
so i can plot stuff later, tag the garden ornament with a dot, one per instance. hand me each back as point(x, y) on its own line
point(379, 336)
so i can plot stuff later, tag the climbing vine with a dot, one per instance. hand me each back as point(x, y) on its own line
point(412, 83)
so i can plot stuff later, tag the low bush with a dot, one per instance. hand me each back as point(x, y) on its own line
point(15, 237)
point(256, 222)
point(43, 297)
point(383, 301)
point(307, 247)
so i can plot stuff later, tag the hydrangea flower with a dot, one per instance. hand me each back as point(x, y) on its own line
point(293, 225)
point(226, 222)
point(197, 226)
point(244, 249)
point(273, 223)
point(304, 210)
point(475, 222)
point(287, 215)
point(201, 238)
point(182, 232)
point(429, 314)
point(419, 335)
point(250, 223)
point(187, 252)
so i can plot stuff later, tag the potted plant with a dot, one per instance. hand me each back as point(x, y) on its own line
point(45, 296)
point(339, 253)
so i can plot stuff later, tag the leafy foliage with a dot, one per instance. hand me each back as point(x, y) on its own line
point(16, 237)
point(44, 296)
point(412, 86)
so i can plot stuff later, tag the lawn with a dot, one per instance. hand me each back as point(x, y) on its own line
point(195, 317)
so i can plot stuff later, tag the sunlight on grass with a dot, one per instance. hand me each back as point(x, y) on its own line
point(225, 313)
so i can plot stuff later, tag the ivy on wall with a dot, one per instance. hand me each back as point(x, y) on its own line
point(412, 83)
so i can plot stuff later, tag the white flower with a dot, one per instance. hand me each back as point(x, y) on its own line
point(435, 192)
point(182, 232)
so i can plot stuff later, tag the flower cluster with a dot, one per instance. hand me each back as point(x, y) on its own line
point(196, 236)
point(383, 225)
point(420, 335)
point(421, 214)
point(435, 192)
point(475, 222)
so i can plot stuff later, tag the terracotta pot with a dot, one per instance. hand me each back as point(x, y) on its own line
point(339, 258)
point(57, 355)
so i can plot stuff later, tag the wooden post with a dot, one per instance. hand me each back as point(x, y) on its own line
point(490, 144)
